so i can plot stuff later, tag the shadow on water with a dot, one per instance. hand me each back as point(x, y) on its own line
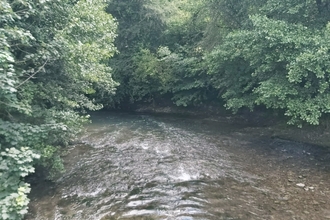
point(136, 166)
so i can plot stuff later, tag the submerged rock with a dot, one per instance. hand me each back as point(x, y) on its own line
point(300, 185)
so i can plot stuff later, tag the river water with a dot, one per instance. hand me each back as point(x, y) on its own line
point(138, 166)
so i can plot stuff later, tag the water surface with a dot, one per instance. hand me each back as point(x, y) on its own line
point(135, 166)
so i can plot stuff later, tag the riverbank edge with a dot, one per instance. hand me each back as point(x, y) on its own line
point(265, 122)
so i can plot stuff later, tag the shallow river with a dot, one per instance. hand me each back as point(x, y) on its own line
point(134, 166)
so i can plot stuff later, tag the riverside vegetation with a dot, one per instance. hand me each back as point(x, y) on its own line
point(61, 58)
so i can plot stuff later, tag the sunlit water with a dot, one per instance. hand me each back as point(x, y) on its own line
point(171, 167)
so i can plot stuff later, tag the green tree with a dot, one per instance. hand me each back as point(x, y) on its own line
point(159, 53)
point(52, 58)
point(281, 62)
point(140, 29)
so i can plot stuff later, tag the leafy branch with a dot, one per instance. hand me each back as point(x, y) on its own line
point(40, 68)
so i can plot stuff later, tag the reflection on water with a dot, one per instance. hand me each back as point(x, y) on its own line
point(166, 167)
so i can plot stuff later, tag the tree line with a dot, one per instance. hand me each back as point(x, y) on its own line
point(248, 53)
point(62, 58)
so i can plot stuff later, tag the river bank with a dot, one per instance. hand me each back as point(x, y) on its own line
point(261, 121)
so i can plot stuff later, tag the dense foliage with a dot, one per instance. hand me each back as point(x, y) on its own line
point(279, 60)
point(160, 58)
point(245, 53)
point(54, 66)
point(53, 56)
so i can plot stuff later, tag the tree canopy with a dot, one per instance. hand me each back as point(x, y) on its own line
point(244, 53)
point(279, 60)
point(53, 56)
